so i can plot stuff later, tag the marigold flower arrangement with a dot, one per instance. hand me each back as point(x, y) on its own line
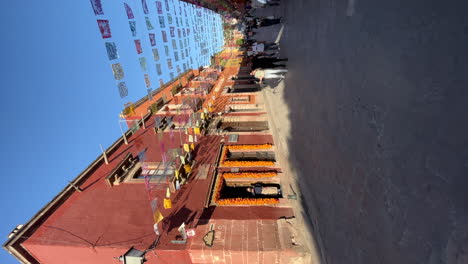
point(217, 189)
point(249, 175)
point(239, 163)
point(239, 201)
point(248, 201)
point(248, 147)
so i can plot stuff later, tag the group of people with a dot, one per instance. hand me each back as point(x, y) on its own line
point(262, 57)
point(264, 3)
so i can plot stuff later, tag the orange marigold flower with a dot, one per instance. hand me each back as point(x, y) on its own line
point(248, 201)
point(238, 163)
point(240, 147)
point(249, 175)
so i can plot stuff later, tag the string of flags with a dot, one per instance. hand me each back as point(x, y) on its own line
point(138, 43)
point(111, 47)
point(178, 36)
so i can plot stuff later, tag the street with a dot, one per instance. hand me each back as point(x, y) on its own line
point(376, 94)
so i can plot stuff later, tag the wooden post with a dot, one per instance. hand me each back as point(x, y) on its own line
point(143, 121)
point(104, 155)
point(78, 189)
point(123, 134)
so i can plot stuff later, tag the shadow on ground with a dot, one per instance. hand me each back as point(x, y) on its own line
point(378, 105)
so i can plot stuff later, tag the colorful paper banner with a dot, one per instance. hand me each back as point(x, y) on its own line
point(157, 216)
point(111, 50)
point(133, 28)
point(123, 90)
point(149, 26)
point(161, 22)
point(118, 71)
point(139, 50)
point(167, 204)
point(97, 7)
point(145, 6)
point(158, 69)
point(169, 63)
point(147, 81)
point(129, 11)
point(150, 97)
point(143, 65)
point(172, 31)
point(104, 28)
point(155, 54)
point(159, 7)
point(152, 38)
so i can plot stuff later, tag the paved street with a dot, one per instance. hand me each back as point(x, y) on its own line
point(377, 95)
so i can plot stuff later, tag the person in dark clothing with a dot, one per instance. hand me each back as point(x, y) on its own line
point(265, 22)
point(266, 62)
point(271, 46)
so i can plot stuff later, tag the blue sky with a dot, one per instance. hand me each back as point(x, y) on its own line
point(60, 97)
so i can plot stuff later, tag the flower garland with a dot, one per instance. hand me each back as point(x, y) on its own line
point(217, 189)
point(249, 175)
point(248, 201)
point(238, 163)
point(248, 147)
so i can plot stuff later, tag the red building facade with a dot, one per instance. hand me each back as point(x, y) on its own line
point(209, 164)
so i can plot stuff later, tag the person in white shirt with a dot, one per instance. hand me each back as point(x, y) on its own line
point(268, 74)
point(258, 47)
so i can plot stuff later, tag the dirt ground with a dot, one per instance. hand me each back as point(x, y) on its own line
point(373, 114)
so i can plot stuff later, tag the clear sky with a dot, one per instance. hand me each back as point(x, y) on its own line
point(60, 98)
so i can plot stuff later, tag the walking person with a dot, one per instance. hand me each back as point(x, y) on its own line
point(264, 3)
point(268, 74)
point(275, 73)
point(265, 22)
point(266, 63)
